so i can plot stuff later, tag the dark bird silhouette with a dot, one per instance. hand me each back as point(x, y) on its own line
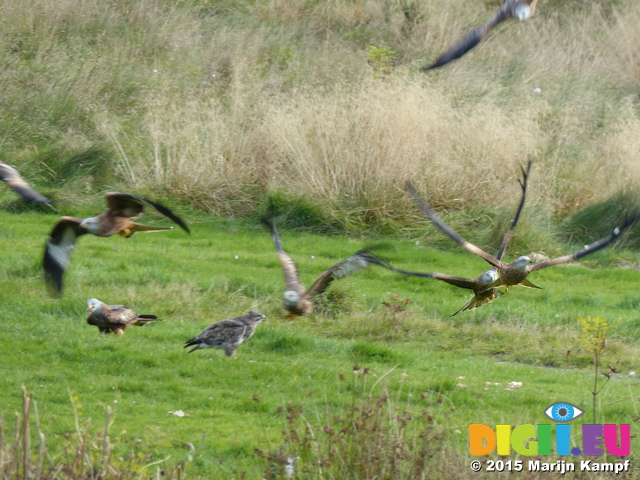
point(15, 182)
point(116, 220)
point(518, 9)
point(115, 318)
point(227, 334)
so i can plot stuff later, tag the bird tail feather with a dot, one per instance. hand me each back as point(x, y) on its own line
point(146, 228)
point(476, 302)
point(527, 283)
point(142, 320)
point(192, 343)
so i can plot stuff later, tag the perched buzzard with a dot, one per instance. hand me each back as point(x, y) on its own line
point(517, 9)
point(116, 220)
point(115, 318)
point(516, 272)
point(296, 300)
point(227, 334)
point(482, 285)
point(15, 182)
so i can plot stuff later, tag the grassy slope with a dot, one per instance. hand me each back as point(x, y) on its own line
point(224, 105)
point(233, 406)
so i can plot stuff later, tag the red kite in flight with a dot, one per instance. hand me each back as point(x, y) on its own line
point(15, 182)
point(482, 287)
point(116, 220)
point(518, 9)
point(297, 300)
point(516, 272)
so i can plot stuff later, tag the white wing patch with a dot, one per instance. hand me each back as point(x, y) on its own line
point(61, 252)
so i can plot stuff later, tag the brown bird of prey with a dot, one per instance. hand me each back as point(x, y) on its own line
point(115, 318)
point(518, 9)
point(483, 292)
point(15, 182)
point(227, 334)
point(516, 272)
point(297, 300)
point(116, 220)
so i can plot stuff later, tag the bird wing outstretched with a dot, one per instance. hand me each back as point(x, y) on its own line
point(461, 282)
point(15, 182)
point(509, 233)
point(435, 219)
point(58, 249)
point(470, 40)
point(290, 271)
point(115, 221)
point(126, 205)
point(483, 292)
point(346, 267)
point(594, 247)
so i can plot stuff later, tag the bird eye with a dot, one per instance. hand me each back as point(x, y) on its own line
point(563, 412)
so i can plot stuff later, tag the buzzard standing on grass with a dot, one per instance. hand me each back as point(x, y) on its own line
point(116, 220)
point(518, 9)
point(15, 182)
point(115, 318)
point(483, 291)
point(297, 300)
point(516, 272)
point(227, 334)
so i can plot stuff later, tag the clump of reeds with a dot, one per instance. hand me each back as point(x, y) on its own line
point(370, 438)
point(83, 456)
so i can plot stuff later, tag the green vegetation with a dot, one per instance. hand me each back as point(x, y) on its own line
point(594, 339)
point(82, 455)
point(419, 362)
point(315, 112)
point(229, 106)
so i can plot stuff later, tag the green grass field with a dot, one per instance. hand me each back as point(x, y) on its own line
point(420, 357)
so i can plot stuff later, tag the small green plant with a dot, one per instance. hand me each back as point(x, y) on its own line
point(593, 339)
point(394, 307)
point(381, 60)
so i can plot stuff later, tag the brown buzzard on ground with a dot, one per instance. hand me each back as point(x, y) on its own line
point(227, 334)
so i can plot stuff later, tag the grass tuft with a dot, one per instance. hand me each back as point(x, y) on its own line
point(374, 435)
point(83, 454)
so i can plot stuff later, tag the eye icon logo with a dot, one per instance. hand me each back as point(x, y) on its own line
point(563, 412)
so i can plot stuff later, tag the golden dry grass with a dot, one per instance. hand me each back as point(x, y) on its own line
point(221, 104)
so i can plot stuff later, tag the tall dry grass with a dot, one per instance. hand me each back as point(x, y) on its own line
point(84, 455)
point(224, 104)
